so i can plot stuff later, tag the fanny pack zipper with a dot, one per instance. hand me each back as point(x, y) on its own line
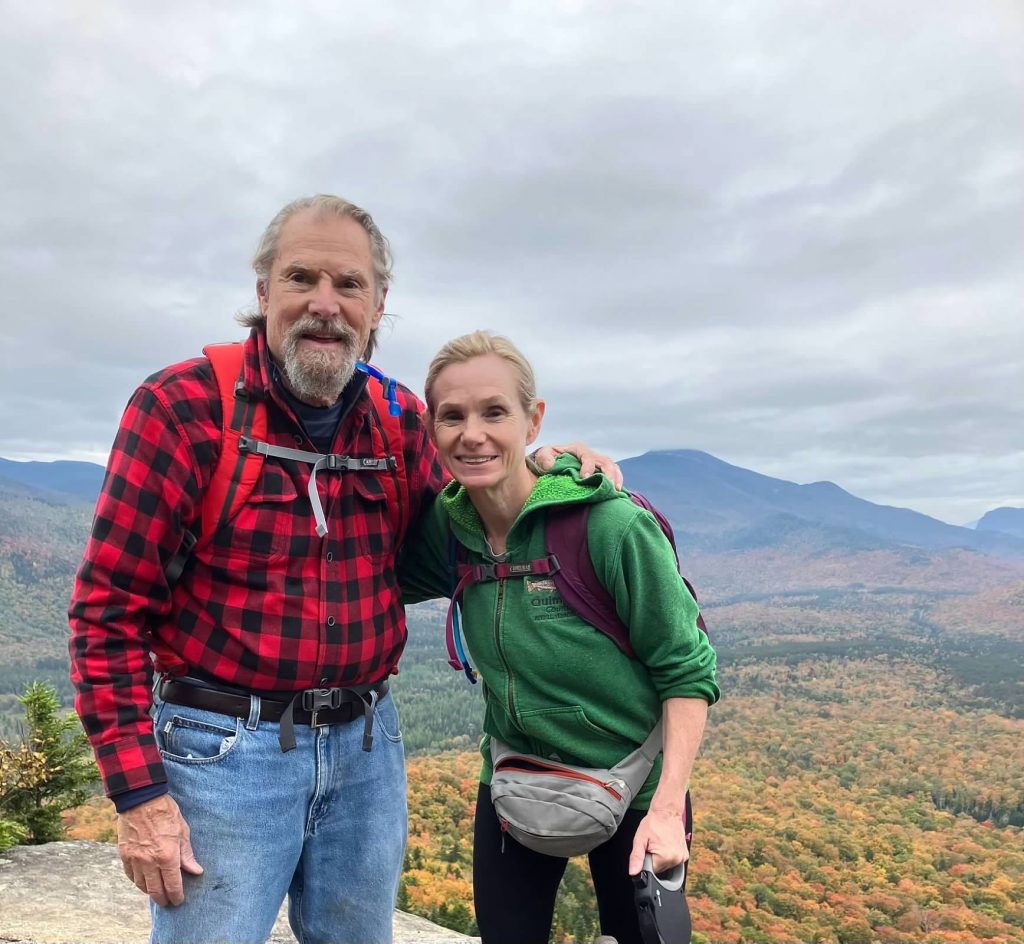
point(561, 772)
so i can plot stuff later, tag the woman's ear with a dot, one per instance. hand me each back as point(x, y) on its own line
point(428, 421)
point(535, 422)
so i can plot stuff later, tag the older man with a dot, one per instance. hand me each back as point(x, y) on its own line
point(271, 763)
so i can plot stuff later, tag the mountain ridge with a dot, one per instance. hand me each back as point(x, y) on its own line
point(81, 480)
point(703, 495)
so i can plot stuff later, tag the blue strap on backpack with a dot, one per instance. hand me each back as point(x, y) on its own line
point(453, 629)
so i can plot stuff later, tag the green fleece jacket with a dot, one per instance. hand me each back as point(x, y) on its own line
point(554, 685)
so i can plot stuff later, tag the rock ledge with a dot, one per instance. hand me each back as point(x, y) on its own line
point(76, 893)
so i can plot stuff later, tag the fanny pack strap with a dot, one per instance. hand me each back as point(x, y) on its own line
point(632, 770)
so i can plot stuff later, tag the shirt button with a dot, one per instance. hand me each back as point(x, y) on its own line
point(298, 440)
point(330, 620)
point(330, 556)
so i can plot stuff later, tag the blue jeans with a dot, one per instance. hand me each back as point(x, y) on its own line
point(325, 824)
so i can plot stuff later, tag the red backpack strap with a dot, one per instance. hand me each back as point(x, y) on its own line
point(237, 472)
point(388, 440)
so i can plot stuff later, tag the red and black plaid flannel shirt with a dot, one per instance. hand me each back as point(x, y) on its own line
point(268, 605)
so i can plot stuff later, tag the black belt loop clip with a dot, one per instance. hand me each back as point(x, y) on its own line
point(369, 707)
point(286, 733)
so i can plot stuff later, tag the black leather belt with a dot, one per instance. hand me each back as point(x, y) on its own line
point(316, 707)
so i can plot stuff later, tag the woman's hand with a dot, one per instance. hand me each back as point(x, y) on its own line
point(590, 461)
point(661, 833)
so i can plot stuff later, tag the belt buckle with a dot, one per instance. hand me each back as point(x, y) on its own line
point(315, 700)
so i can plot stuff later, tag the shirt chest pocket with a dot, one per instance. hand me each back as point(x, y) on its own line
point(263, 528)
point(365, 525)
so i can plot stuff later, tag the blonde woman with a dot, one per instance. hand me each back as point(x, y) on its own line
point(554, 685)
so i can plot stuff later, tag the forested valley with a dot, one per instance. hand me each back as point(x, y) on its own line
point(845, 792)
point(862, 778)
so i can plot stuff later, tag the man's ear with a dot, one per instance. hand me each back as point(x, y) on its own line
point(535, 422)
point(379, 313)
point(261, 295)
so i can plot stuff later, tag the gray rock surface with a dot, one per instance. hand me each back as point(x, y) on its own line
point(76, 893)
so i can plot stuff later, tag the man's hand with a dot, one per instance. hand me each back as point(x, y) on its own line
point(153, 842)
point(590, 461)
point(661, 833)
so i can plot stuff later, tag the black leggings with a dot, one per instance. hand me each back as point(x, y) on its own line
point(514, 891)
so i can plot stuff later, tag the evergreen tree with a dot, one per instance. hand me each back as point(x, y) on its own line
point(63, 768)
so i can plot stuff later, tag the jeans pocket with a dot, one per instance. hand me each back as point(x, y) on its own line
point(191, 740)
point(386, 719)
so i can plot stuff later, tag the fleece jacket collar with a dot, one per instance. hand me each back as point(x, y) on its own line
point(561, 485)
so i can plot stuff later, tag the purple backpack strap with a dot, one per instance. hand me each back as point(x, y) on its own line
point(644, 502)
point(577, 581)
point(463, 575)
point(565, 536)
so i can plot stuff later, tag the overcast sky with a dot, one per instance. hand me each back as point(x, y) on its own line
point(788, 234)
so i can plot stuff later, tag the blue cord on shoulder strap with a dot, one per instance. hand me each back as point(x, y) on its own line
point(456, 621)
point(388, 383)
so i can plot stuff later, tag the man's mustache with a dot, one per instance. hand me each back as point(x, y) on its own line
point(326, 329)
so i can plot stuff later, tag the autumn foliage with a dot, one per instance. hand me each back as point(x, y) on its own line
point(836, 801)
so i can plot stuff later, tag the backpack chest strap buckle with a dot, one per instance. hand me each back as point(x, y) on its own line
point(502, 570)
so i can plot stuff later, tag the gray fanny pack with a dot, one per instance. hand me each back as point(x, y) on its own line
point(561, 810)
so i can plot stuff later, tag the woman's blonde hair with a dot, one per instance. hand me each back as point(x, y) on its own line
point(477, 344)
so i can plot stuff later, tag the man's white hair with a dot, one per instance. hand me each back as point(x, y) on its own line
point(322, 203)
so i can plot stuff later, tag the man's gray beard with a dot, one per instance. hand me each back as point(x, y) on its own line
point(314, 377)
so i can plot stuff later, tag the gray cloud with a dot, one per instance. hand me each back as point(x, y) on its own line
point(787, 234)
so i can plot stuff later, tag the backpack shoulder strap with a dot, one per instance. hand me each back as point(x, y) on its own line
point(644, 502)
point(386, 430)
point(463, 575)
point(565, 537)
point(453, 622)
point(237, 471)
point(576, 579)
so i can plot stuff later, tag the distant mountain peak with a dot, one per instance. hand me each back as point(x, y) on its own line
point(1006, 520)
point(827, 486)
point(683, 454)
